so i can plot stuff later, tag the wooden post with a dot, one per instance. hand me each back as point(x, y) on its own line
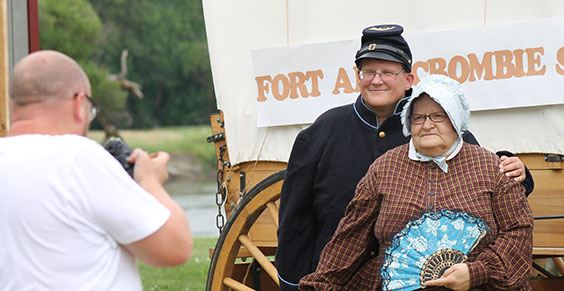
point(4, 69)
point(33, 25)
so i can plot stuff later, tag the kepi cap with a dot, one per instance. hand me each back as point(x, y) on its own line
point(384, 42)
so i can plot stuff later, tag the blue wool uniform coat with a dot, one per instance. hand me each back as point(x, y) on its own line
point(327, 161)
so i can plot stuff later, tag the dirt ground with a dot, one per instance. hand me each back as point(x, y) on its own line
point(185, 166)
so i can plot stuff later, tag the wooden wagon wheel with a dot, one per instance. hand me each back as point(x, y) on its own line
point(261, 197)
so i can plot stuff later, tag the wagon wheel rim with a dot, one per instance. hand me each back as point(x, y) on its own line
point(262, 197)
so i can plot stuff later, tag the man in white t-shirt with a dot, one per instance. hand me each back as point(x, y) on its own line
point(71, 218)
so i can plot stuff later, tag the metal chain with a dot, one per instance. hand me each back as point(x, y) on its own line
point(221, 193)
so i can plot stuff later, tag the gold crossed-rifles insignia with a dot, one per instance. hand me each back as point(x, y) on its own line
point(383, 28)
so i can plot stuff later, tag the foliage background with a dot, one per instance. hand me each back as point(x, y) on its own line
point(168, 56)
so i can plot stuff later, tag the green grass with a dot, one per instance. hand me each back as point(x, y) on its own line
point(176, 139)
point(190, 276)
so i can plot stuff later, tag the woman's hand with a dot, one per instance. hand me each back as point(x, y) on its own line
point(456, 278)
point(513, 168)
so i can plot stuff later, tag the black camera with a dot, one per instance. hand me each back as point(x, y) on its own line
point(121, 151)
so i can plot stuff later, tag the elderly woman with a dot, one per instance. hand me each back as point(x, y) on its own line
point(439, 208)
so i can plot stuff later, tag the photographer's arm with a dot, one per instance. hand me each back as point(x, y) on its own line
point(170, 245)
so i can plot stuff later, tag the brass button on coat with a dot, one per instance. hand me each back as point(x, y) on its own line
point(382, 134)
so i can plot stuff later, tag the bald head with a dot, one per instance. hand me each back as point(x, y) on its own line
point(44, 75)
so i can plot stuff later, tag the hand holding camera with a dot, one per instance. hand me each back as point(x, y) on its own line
point(148, 168)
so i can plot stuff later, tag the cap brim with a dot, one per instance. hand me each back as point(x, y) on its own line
point(381, 56)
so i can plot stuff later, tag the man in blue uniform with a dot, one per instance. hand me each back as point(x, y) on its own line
point(333, 154)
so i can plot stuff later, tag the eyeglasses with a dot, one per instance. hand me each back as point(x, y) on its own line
point(93, 107)
point(385, 76)
point(434, 117)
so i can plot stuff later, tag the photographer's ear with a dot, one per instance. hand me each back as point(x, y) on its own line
point(80, 111)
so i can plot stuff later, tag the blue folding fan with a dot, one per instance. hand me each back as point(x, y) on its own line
point(428, 246)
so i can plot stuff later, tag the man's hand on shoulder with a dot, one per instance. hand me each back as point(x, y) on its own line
point(513, 167)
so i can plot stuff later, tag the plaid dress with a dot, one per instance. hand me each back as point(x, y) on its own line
point(397, 190)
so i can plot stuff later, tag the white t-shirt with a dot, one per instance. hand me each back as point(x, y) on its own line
point(66, 207)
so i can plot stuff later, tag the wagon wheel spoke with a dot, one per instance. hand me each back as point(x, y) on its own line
point(260, 257)
point(273, 209)
point(236, 285)
point(224, 273)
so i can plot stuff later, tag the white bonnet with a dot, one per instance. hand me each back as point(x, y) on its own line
point(445, 91)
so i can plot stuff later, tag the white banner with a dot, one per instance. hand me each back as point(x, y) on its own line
point(500, 66)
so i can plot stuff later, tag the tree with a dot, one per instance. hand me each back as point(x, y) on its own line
point(167, 56)
point(73, 27)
